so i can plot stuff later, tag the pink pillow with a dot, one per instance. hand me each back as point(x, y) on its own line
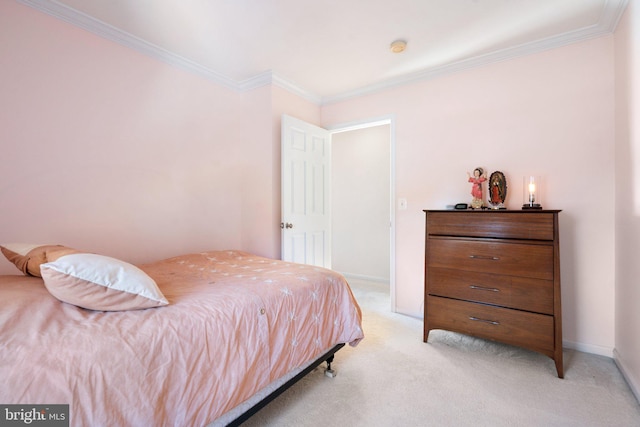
point(97, 282)
point(29, 257)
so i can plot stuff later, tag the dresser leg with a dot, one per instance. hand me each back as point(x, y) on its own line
point(559, 366)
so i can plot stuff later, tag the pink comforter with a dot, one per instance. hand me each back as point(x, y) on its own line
point(235, 323)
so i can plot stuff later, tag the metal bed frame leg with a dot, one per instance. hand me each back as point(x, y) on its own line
point(328, 371)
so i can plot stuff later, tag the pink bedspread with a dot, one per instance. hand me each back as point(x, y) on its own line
point(235, 323)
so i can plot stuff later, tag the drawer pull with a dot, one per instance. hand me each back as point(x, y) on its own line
point(476, 319)
point(491, 258)
point(482, 288)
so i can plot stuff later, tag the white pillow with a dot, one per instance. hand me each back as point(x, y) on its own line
point(99, 282)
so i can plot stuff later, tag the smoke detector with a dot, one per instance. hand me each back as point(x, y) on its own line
point(398, 46)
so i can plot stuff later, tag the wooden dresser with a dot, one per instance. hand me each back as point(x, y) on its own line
point(495, 275)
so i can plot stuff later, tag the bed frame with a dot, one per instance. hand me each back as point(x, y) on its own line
point(327, 357)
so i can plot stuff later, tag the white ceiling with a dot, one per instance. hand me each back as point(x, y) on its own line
point(328, 50)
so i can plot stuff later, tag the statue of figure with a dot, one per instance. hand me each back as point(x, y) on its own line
point(476, 189)
point(495, 192)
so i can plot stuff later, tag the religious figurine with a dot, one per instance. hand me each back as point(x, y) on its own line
point(497, 190)
point(476, 189)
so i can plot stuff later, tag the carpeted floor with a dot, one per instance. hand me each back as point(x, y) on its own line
point(392, 378)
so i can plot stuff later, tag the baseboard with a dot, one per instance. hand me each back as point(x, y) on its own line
point(585, 348)
point(633, 383)
point(367, 278)
point(589, 348)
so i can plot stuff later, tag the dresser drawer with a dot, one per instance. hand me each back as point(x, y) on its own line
point(507, 225)
point(534, 295)
point(512, 259)
point(529, 330)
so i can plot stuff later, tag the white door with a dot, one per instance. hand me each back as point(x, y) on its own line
point(306, 198)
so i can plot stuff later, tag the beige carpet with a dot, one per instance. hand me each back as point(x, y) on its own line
point(394, 379)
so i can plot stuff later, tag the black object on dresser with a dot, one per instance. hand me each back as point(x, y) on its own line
point(495, 275)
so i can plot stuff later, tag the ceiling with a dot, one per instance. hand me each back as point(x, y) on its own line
point(333, 49)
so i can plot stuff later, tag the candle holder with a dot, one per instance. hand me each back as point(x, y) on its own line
point(531, 192)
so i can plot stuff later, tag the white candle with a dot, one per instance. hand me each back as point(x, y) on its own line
point(532, 191)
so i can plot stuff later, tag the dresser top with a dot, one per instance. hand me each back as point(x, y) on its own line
point(499, 211)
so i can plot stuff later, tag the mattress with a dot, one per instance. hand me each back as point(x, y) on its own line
point(235, 325)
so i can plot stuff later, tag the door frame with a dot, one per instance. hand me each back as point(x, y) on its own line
point(367, 123)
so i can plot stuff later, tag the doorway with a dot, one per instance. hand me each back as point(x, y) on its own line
point(363, 182)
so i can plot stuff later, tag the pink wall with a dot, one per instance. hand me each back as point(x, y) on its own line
point(108, 150)
point(262, 111)
point(627, 323)
point(550, 114)
point(284, 102)
point(168, 162)
point(260, 231)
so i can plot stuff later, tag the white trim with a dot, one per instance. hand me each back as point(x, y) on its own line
point(296, 90)
point(109, 32)
point(589, 348)
point(392, 210)
point(365, 278)
point(606, 25)
point(262, 79)
point(371, 122)
point(361, 124)
point(633, 383)
point(611, 14)
point(609, 17)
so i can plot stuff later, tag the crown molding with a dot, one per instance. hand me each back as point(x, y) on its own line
point(606, 25)
point(270, 78)
point(259, 80)
point(611, 14)
point(109, 32)
point(609, 18)
point(293, 88)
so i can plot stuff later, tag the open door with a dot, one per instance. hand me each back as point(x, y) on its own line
point(306, 198)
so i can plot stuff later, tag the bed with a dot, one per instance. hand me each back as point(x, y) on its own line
point(235, 329)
